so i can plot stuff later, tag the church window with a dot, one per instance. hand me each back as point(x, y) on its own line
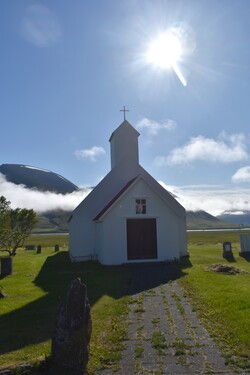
point(140, 206)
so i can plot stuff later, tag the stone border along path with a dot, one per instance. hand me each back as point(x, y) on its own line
point(165, 336)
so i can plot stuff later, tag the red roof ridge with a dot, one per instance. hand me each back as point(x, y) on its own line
point(114, 199)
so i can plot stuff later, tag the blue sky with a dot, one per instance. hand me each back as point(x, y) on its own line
point(68, 67)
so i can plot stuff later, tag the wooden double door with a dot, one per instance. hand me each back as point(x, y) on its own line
point(141, 239)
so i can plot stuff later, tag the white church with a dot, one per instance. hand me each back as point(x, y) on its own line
point(128, 217)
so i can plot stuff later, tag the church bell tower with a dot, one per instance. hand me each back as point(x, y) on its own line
point(124, 143)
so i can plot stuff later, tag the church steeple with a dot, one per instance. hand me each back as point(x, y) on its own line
point(123, 143)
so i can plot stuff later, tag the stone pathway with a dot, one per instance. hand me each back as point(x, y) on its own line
point(165, 336)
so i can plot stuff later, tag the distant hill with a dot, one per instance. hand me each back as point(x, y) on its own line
point(37, 178)
point(53, 221)
point(203, 220)
point(57, 221)
point(242, 219)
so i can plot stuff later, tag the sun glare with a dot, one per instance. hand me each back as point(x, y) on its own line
point(165, 51)
point(169, 49)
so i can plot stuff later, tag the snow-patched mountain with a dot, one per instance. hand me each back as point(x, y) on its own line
point(37, 178)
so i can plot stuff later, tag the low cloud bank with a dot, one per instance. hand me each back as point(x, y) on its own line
point(214, 199)
point(21, 196)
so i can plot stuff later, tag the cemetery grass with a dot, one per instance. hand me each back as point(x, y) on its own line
point(222, 301)
point(40, 281)
point(33, 294)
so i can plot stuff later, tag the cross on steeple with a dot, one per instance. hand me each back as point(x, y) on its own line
point(124, 110)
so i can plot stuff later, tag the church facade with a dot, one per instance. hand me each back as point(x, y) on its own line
point(128, 217)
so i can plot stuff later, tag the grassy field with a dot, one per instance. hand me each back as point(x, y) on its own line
point(39, 281)
point(221, 300)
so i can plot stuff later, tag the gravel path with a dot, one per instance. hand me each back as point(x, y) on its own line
point(164, 333)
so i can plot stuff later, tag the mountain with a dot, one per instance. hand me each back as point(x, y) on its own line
point(242, 218)
point(53, 221)
point(203, 220)
point(37, 178)
point(57, 221)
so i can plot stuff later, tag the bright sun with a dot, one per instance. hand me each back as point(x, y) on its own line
point(165, 51)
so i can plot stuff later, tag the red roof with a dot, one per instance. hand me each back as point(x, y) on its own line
point(113, 200)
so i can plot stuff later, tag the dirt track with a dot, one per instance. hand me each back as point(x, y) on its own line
point(164, 334)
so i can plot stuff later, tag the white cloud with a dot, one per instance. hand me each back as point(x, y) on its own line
point(153, 127)
point(22, 197)
point(40, 26)
point(226, 149)
point(242, 175)
point(90, 153)
point(214, 199)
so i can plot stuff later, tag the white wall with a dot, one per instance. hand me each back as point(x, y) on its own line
point(82, 237)
point(171, 231)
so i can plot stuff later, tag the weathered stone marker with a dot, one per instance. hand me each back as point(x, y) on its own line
point(227, 250)
point(245, 244)
point(39, 249)
point(56, 248)
point(73, 326)
point(30, 247)
point(6, 266)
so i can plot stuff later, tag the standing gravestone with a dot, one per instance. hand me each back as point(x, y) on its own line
point(39, 249)
point(227, 249)
point(73, 326)
point(56, 248)
point(245, 244)
point(6, 266)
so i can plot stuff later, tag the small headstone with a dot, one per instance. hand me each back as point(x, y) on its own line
point(30, 247)
point(56, 248)
point(245, 244)
point(6, 266)
point(70, 341)
point(39, 249)
point(227, 249)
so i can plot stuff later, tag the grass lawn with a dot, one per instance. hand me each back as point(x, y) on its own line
point(34, 291)
point(39, 281)
point(221, 300)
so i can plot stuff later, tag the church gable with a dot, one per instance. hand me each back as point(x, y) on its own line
point(136, 198)
point(128, 216)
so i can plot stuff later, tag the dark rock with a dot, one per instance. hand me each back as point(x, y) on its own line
point(70, 341)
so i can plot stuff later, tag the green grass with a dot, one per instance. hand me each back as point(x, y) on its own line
point(222, 301)
point(159, 342)
point(34, 292)
point(40, 281)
